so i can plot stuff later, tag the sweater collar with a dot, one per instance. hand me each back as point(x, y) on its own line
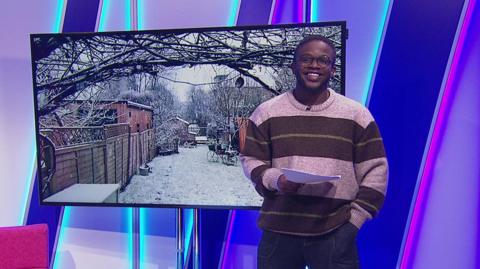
point(319, 107)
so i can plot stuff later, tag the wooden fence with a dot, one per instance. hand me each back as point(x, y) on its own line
point(97, 155)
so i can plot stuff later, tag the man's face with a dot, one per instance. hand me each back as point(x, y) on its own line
point(313, 66)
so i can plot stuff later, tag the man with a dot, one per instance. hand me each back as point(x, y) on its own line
point(316, 130)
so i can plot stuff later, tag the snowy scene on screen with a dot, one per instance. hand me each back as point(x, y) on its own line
point(158, 117)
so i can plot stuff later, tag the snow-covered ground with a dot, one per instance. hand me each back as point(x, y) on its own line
point(188, 178)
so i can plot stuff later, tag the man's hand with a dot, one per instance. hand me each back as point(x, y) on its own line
point(286, 186)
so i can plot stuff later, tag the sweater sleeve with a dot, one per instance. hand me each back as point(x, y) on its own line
point(371, 170)
point(256, 158)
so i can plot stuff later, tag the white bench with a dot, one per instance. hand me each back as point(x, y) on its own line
point(86, 193)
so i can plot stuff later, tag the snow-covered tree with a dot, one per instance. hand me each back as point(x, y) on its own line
point(68, 64)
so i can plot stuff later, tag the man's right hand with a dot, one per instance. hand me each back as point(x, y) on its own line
point(286, 186)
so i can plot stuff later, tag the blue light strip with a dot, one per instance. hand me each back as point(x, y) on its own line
point(65, 216)
point(131, 240)
point(103, 15)
point(188, 218)
point(232, 18)
point(61, 233)
point(67, 210)
point(128, 15)
point(140, 15)
point(142, 212)
point(379, 40)
point(58, 17)
point(29, 183)
point(314, 10)
point(314, 17)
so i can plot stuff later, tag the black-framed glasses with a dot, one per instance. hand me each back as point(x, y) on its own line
point(323, 60)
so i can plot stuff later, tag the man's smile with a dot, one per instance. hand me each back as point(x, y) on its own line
point(313, 76)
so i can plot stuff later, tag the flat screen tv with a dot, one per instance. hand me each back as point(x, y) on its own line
point(157, 118)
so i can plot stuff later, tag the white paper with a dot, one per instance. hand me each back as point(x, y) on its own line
point(304, 177)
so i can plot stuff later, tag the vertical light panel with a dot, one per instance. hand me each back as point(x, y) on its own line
point(60, 237)
point(377, 49)
point(94, 237)
point(314, 10)
point(442, 224)
point(17, 134)
point(171, 14)
point(366, 23)
point(128, 15)
point(57, 28)
point(115, 16)
point(157, 238)
point(59, 16)
point(288, 11)
point(142, 234)
point(104, 14)
point(141, 14)
point(226, 248)
point(86, 240)
point(233, 14)
point(131, 244)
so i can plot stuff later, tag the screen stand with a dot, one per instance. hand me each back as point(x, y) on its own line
point(179, 235)
point(195, 239)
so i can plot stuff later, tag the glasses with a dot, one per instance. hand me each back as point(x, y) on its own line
point(323, 60)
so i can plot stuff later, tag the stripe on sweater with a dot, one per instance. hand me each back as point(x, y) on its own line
point(369, 199)
point(303, 224)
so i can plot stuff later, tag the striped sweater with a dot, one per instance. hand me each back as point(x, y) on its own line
point(337, 137)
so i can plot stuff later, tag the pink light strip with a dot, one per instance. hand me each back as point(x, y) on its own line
point(438, 132)
point(229, 237)
point(300, 8)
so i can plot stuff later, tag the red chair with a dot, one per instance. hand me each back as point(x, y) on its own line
point(24, 247)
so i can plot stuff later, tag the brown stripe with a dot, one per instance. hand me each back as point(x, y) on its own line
point(370, 144)
point(361, 144)
point(298, 135)
point(309, 205)
point(371, 150)
point(371, 132)
point(370, 199)
point(260, 134)
point(303, 224)
point(312, 147)
point(259, 151)
point(336, 127)
point(253, 139)
point(256, 143)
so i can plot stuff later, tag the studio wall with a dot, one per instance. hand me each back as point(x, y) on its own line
point(400, 55)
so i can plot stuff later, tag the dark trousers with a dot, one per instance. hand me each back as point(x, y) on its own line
point(335, 250)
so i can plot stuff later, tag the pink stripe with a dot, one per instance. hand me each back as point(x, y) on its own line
point(249, 163)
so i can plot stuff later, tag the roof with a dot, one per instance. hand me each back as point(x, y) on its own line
point(182, 120)
point(128, 103)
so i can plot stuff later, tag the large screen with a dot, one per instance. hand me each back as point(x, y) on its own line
point(157, 118)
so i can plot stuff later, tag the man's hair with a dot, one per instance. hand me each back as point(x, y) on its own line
point(310, 38)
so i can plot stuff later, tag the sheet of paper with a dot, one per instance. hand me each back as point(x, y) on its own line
point(304, 177)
